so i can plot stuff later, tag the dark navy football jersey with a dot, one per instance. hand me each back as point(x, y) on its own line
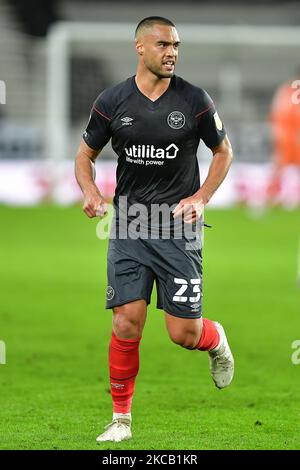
point(156, 142)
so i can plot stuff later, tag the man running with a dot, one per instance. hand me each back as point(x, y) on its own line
point(155, 121)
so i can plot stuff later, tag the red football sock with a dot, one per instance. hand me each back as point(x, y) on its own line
point(210, 337)
point(123, 367)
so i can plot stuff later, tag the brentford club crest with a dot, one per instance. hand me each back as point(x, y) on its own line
point(176, 120)
point(110, 293)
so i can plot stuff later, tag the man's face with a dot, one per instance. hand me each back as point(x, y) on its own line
point(158, 47)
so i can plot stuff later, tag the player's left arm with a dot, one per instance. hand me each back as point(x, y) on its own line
point(192, 207)
point(222, 158)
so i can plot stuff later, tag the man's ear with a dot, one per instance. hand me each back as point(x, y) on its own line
point(139, 48)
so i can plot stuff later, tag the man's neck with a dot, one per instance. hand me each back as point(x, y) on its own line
point(150, 85)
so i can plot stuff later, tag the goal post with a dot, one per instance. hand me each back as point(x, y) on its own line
point(229, 43)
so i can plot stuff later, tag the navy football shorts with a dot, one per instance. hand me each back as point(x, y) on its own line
point(174, 264)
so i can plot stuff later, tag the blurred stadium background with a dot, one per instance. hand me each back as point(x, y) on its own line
point(56, 61)
point(55, 57)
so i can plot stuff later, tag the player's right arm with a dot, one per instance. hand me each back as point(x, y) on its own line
point(93, 203)
point(95, 137)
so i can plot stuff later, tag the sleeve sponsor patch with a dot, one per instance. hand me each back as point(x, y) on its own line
point(218, 121)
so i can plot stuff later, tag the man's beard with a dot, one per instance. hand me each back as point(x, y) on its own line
point(166, 75)
point(159, 73)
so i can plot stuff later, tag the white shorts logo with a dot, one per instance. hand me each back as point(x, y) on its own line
point(110, 293)
point(195, 306)
point(176, 120)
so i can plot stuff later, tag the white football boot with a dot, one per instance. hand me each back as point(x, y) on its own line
point(221, 362)
point(118, 430)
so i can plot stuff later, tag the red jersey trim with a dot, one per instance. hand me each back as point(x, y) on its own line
point(101, 114)
point(204, 111)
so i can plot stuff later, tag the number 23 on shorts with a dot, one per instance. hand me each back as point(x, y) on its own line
point(179, 297)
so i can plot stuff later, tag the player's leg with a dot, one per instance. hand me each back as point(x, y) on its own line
point(129, 290)
point(128, 324)
point(185, 332)
point(204, 335)
point(179, 288)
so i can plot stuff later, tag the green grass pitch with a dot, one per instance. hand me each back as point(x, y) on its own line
point(54, 386)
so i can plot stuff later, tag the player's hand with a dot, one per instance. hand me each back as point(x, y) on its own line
point(94, 204)
point(190, 208)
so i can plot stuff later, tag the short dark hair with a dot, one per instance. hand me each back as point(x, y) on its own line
point(152, 20)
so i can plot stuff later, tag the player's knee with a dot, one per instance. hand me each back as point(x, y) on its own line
point(126, 325)
point(185, 339)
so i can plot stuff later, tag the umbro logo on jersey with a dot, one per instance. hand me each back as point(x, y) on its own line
point(127, 121)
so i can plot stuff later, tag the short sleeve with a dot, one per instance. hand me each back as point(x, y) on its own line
point(98, 130)
point(210, 127)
